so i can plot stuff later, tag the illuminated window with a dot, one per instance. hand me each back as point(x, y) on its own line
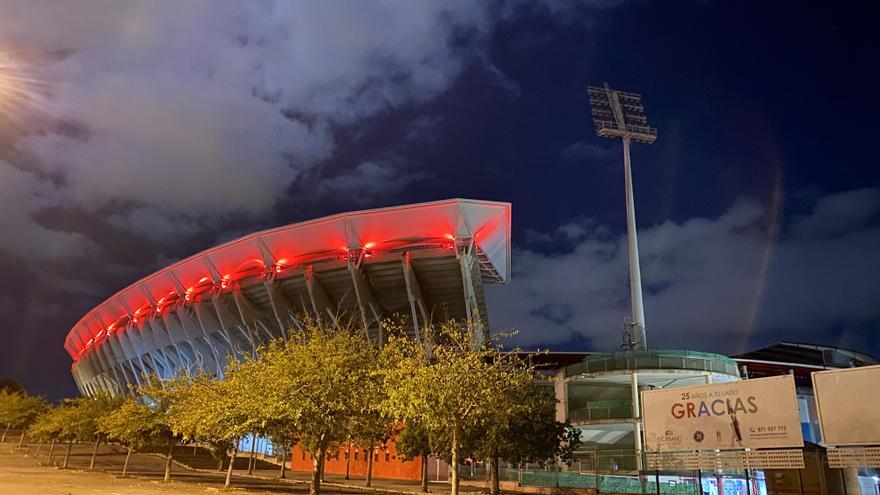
point(387, 457)
point(355, 455)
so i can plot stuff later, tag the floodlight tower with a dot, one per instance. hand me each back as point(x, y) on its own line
point(619, 114)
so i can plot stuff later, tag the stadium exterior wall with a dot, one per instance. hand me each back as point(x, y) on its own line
point(414, 260)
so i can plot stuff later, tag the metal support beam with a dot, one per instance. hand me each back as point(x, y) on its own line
point(469, 275)
point(321, 303)
point(281, 308)
point(366, 302)
point(414, 293)
point(250, 313)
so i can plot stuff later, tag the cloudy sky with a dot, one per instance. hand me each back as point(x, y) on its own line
point(136, 133)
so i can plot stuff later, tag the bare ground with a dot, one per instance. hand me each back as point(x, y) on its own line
point(22, 474)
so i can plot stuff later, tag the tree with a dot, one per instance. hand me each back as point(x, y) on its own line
point(18, 410)
point(315, 382)
point(47, 427)
point(453, 390)
point(89, 411)
point(64, 422)
point(217, 411)
point(161, 401)
point(11, 385)
point(414, 441)
point(135, 425)
point(370, 430)
point(371, 427)
point(522, 428)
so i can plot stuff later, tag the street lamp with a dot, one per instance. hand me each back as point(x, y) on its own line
point(619, 114)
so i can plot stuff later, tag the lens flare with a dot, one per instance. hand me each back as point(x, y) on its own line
point(22, 92)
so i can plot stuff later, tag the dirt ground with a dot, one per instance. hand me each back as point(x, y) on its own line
point(22, 474)
point(28, 475)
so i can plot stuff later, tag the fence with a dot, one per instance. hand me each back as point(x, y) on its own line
point(559, 477)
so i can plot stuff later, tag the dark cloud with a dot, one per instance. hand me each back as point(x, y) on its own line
point(710, 283)
point(215, 108)
point(155, 132)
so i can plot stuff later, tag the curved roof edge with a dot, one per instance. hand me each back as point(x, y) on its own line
point(485, 223)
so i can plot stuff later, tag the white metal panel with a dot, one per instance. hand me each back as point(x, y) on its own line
point(846, 400)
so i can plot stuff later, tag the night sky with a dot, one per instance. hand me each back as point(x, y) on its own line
point(133, 134)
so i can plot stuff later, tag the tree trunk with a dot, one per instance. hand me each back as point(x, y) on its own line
point(94, 453)
point(283, 468)
point(195, 448)
point(39, 448)
point(348, 460)
point(220, 465)
point(168, 464)
point(51, 452)
point(317, 468)
point(125, 464)
point(453, 478)
point(252, 460)
point(370, 465)
point(231, 464)
point(494, 484)
point(21, 440)
point(67, 455)
point(424, 474)
point(3, 440)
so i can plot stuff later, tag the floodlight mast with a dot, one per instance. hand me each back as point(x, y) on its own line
point(619, 114)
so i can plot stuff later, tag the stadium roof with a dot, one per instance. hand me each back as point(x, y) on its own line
point(381, 256)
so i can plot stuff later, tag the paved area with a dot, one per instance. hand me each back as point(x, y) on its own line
point(22, 474)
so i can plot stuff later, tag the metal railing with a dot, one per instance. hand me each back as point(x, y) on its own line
point(602, 409)
point(655, 359)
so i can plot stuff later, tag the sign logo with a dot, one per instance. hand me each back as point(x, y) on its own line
point(698, 436)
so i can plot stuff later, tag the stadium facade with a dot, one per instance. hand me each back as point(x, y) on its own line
point(416, 260)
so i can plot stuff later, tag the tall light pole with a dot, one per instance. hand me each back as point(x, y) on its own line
point(619, 114)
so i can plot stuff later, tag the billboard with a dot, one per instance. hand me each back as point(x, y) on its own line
point(847, 403)
point(748, 414)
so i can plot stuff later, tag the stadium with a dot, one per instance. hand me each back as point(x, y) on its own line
point(415, 260)
point(421, 261)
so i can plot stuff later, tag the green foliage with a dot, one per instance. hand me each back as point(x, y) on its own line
point(47, 426)
point(413, 441)
point(136, 425)
point(522, 428)
point(455, 391)
point(316, 382)
point(11, 385)
point(18, 409)
point(205, 408)
point(85, 413)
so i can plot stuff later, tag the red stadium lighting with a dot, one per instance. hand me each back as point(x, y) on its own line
point(427, 226)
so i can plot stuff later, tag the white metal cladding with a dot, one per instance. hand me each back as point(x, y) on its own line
point(726, 459)
point(854, 457)
point(423, 261)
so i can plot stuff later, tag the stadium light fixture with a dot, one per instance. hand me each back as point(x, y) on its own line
point(620, 114)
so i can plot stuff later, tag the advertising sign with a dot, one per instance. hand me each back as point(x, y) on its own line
point(847, 403)
point(748, 414)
